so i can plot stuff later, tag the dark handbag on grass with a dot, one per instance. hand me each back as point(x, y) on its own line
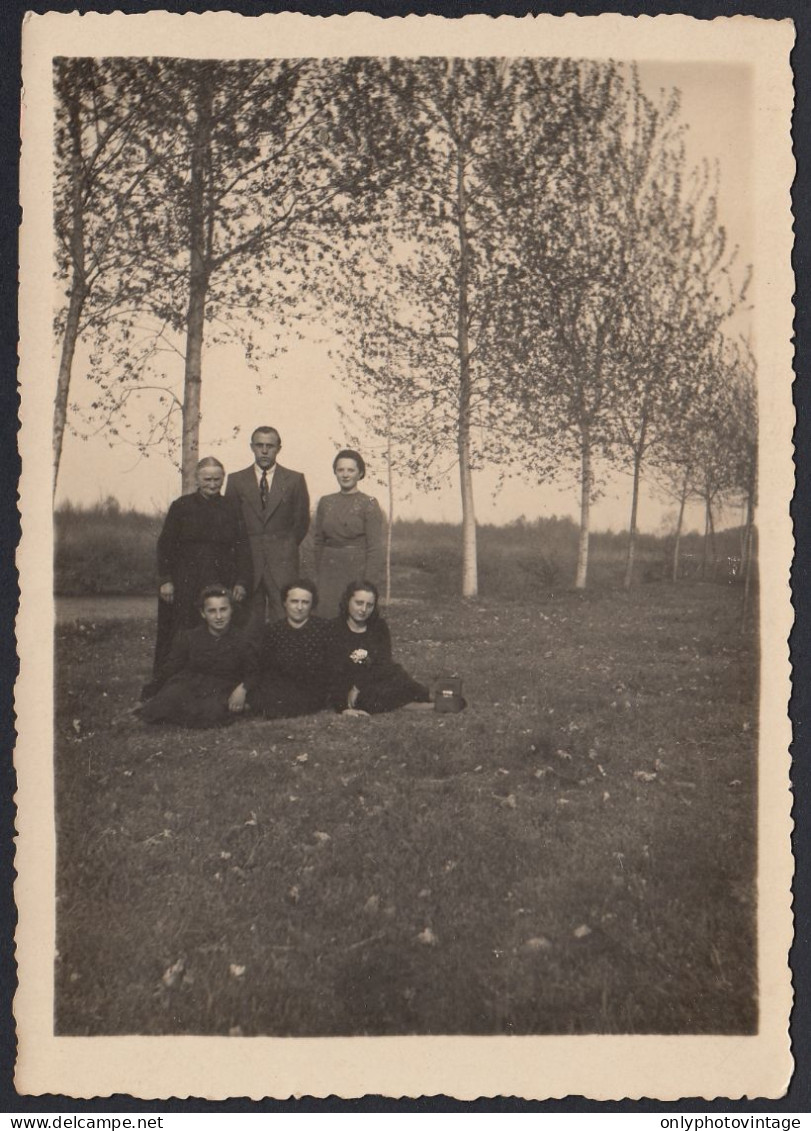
point(448, 695)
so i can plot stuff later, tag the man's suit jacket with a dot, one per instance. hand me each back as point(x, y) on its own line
point(275, 532)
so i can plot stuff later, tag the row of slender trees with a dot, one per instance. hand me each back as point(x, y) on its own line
point(523, 266)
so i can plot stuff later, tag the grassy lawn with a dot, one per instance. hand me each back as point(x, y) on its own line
point(574, 853)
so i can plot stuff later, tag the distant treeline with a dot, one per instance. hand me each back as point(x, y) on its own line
point(107, 550)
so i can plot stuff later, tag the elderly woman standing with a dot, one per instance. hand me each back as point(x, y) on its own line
point(349, 534)
point(203, 542)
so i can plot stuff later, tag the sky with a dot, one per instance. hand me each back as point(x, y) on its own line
point(301, 391)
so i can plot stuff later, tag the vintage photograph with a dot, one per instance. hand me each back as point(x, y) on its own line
point(407, 538)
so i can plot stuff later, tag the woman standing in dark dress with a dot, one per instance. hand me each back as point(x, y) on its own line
point(287, 671)
point(203, 542)
point(364, 679)
point(350, 539)
point(199, 684)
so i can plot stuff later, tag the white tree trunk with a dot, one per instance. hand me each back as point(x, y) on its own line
point(629, 563)
point(679, 524)
point(198, 286)
point(585, 509)
point(391, 514)
point(78, 289)
point(470, 573)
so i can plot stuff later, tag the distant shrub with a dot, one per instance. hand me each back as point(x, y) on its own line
point(108, 550)
point(104, 550)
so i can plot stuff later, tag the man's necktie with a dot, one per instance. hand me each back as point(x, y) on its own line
point(263, 489)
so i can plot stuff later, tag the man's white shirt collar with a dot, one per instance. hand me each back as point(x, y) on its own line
point(257, 470)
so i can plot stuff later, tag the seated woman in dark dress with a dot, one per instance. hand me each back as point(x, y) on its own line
point(364, 680)
point(287, 668)
point(199, 682)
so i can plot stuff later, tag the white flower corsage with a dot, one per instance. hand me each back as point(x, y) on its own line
point(359, 656)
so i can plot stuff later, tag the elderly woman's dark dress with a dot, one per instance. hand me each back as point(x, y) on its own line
point(288, 669)
point(197, 677)
point(203, 542)
point(363, 660)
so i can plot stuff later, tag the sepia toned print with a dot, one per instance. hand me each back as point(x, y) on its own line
point(538, 287)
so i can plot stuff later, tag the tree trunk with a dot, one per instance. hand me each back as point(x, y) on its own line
point(712, 538)
point(470, 579)
point(746, 561)
point(77, 297)
point(629, 563)
point(748, 528)
point(78, 288)
point(198, 279)
point(585, 507)
point(391, 513)
point(679, 524)
point(706, 544)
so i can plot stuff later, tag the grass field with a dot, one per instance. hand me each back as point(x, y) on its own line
point(574, 853)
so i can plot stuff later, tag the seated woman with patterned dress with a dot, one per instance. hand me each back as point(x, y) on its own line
point(287, 666)
point(364, 679)
point(198, 685)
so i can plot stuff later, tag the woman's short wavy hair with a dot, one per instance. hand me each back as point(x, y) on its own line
point(350, 453)
point(300, 583)
point(355, 587)
point(214, 591)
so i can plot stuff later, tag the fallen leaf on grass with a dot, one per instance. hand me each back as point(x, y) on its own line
point(158, 837)
point(539, 942)
point(427, 937)
point(303, 758)
point(236, 971)
point(582, 931)
point(172, 974)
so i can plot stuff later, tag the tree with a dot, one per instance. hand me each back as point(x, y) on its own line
point(436, 252)
point(679, 293)
point(385, 399)
point(575, 235)
point(259, 164)
point(101, 163)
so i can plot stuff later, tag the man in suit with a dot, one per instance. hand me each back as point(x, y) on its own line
point(276, 508)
